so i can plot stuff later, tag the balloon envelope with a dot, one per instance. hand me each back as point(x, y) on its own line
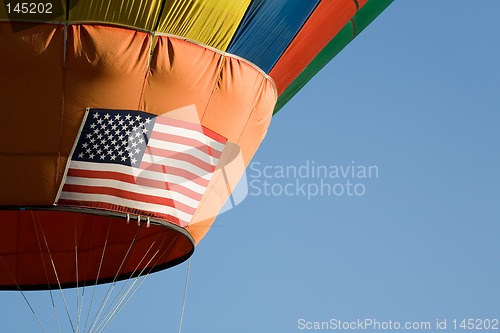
point(200, 76)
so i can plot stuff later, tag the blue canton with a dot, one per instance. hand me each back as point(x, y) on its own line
point(114, 136)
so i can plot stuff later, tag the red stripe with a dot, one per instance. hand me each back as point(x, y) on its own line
point(193, 143)
point(122, 209)
point(196, 127)
point(135, 181)
point(175, 172)
point(165, 153)
point(328, 18)
point(118, 193)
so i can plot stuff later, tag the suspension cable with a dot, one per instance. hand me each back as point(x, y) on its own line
point(185, 294)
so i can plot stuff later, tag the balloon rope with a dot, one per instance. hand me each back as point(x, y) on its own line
point(57, 278)
point(121, 295)
point(85, 279)
point(117, 310)
point(113, 283)
point(97, 277)
point(185, 294)
point(54, 309)
point(24, 296)
point(77, 279)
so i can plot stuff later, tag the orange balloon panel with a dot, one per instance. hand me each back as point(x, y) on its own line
point(51, 74)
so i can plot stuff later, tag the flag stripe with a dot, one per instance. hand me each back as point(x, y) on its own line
point(171, 162)
point(217, 139)
point(153, 172)
point(121, 193)
point(180, 156)
point(191, 143)
point(140, 181)
point(141, 186)
point(189, 133)
point(176, 175)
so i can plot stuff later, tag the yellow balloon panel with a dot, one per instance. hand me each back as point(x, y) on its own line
point(210, 22)
point(139, 13)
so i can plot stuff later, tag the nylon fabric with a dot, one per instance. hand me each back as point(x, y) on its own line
point(210, 22)
point(141, 14)
point(325, 22)
point(267, 29)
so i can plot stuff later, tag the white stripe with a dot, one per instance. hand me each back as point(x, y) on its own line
point(188, 133)
point(136, 172)
point(172, 162)
point(136, 188)
point(180, 148)
point(126, 203)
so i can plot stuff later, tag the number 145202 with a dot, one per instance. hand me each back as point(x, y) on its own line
point(29, 8)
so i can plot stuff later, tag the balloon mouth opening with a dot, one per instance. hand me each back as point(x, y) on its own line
point(46, 248)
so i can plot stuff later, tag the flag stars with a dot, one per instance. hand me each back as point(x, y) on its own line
point(114, 137)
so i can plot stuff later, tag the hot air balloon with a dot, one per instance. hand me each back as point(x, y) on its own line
point(125, 124)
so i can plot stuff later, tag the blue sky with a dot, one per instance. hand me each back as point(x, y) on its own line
point(417, 96)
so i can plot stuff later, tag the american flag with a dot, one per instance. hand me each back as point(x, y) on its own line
point(136, 162)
